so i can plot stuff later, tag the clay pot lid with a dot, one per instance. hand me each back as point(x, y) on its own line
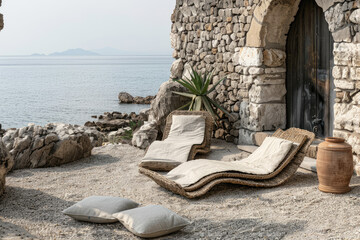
point(334, 143)
point(335, 139)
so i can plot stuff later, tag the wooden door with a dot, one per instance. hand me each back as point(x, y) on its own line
point(309, 65)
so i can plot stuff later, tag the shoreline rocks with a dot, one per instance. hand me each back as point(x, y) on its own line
point(145, 135)
point(52, 145)
point(6, 163)
point(125, 97)
point(113, 121)
point(119, 127)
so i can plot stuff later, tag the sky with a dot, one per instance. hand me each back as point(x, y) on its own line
point(46, 26)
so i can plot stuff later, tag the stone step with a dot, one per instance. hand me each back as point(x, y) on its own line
point(309, 164)
point(313, 148)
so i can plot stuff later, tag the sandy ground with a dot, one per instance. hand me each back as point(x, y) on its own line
point(34, 199)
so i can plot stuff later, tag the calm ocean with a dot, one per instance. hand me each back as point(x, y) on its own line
point(41, 90)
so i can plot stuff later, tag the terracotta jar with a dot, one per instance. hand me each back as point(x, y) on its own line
point(334, 165)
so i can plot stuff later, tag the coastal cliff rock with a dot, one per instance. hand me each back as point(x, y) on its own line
point(54, 144)
point(6, 163)
point(125, 97)
point(166, 102)
point(145, 135)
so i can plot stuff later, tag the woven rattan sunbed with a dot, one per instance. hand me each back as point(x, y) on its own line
point(282, 173)
point(204, 147)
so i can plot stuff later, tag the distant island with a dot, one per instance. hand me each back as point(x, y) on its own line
point(75, 52)
point(108, 51)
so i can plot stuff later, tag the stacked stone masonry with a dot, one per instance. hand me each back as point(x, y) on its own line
point(244, 40)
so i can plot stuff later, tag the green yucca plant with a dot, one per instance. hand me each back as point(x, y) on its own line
point(198, 92)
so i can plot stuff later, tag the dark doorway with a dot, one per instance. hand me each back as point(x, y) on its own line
point(309, 65)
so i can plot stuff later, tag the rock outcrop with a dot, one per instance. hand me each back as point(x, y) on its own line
point(6, 163)
point(54, 144)
point(125, 97)
point(115, 120)
point(166, 102)
point(143, 100)
point(145, 135)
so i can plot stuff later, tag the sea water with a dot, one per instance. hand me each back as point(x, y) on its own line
point(41, 90)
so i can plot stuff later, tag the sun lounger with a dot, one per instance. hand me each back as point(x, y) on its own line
point(283, 172)
point(186, 134)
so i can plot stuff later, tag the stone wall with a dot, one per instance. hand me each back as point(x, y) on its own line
point(245, 40)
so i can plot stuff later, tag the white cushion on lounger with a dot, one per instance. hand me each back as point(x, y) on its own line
point(184, 133)
point(263, 160)
point(151, 221)
point(99, 209)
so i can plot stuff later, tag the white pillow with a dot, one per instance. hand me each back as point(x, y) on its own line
point(187, 125)
point(151, 221)
point(99, 209)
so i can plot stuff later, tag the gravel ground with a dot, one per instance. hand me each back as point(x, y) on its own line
point(34, 199)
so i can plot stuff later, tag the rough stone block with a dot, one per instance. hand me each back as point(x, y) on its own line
point(145, 135)
point(256, 70)
point(335, 17)
point(275, 70)
point(6, 163)
point(355, 16)
point(336, 72)
point(268, 81)
point(347, 54)
point(246, 137)
point(325, 4)
point(266, 117)
point(343, 84)
point(342, 35)
point(259, 137)
point(354, 141)
point(274, 57)
point(267, 93)
point(357, 166)
point(347, 116)
point(249, 57)
point(253, 38)
point(355, 73)
point(356, 98)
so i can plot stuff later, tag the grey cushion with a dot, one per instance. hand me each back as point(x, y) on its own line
point(99, 209)
point(151, 221)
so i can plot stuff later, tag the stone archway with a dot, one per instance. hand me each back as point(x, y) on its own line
point(270, 24)
point(264, 59)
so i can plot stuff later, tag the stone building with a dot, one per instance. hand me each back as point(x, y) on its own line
point(288, 63)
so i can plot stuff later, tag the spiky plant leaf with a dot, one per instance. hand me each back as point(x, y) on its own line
point(198, 103)
point(198, 88)
point(215, 85)
point(190, 95)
